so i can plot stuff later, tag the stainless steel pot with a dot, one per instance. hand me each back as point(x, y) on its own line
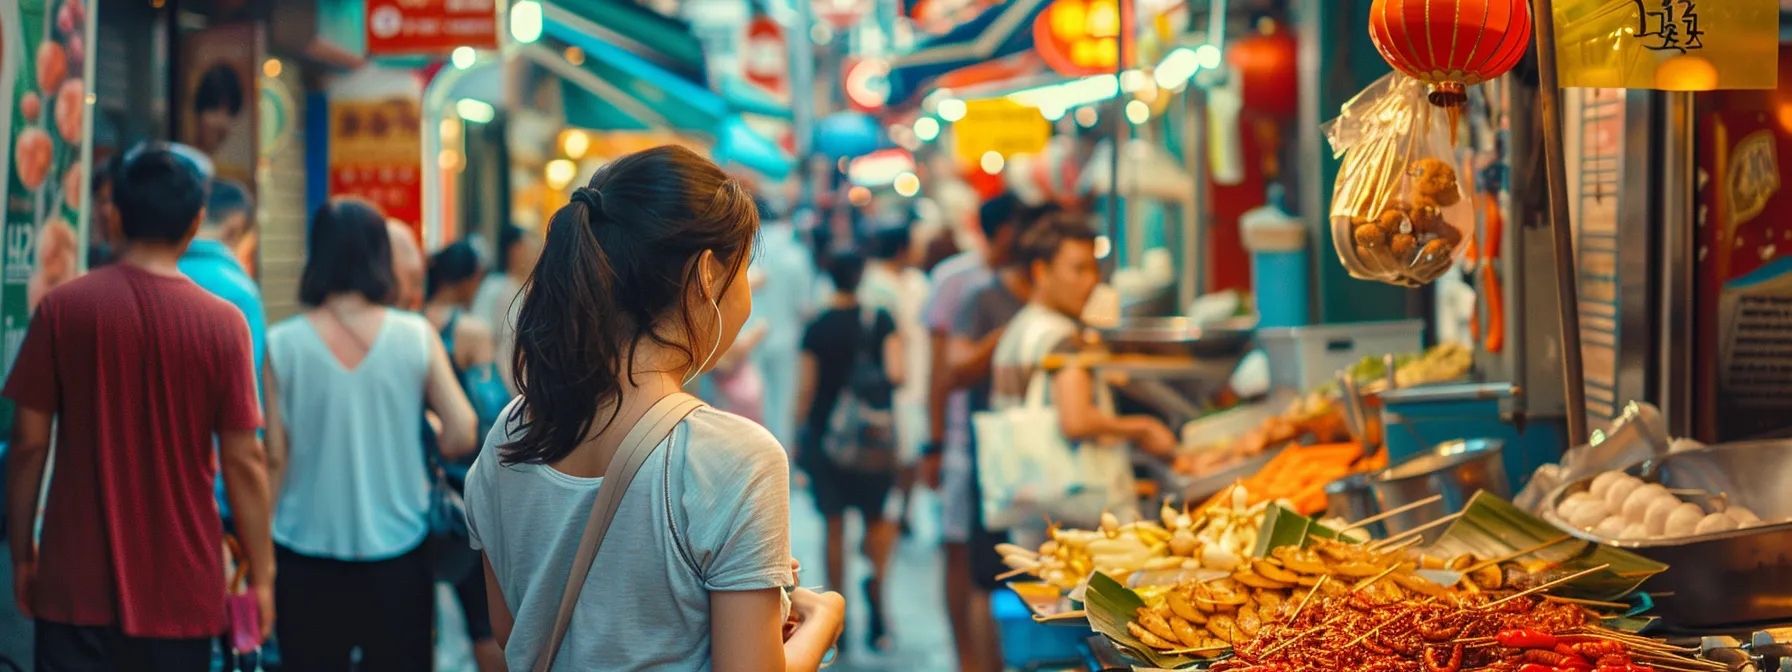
point(1353, 498)
point(1454, 469)
point(1734, 578)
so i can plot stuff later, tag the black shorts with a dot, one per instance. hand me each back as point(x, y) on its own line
point(837, 489)
point(330, 608)
point(81, 648)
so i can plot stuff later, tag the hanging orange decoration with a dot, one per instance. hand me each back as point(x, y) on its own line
point(1451, 44)
point(1267, 64)
point(1078, 38)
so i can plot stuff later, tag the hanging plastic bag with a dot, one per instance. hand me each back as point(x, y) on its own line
point(1399, 212)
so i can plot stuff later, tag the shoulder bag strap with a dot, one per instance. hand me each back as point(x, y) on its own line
point(630, 454)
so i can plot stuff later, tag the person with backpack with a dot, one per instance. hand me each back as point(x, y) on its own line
point(852, 363)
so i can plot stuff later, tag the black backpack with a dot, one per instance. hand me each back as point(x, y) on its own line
point(861, 432)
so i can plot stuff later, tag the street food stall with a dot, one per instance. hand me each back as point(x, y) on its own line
point(1426, 509)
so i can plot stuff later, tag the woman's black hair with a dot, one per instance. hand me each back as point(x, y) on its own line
point(620, 264)
point(348, 250)
point(453, 264)
point(221, 87)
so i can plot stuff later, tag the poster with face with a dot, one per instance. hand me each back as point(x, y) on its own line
point(44, 67)
point(218, 97)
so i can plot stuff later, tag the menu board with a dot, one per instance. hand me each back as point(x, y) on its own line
point(1743, 264)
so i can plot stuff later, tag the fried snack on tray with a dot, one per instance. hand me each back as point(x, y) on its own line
point(1219, 535)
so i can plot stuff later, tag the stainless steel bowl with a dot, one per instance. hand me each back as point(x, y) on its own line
point(1181, 336)
point(1734, 578)
point(1454, 469)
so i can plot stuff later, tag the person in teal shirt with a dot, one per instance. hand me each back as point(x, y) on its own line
point(211, 263)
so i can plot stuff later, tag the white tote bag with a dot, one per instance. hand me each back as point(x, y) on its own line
point(1023, 459)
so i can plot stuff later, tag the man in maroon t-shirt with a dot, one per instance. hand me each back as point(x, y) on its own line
point(139, 369)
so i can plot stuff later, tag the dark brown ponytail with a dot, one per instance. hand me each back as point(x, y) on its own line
point(616, 267)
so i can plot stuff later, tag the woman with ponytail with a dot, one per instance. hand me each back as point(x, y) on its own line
point(640, 288)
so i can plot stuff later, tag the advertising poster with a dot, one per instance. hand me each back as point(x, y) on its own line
point(1743, 263)
point(218, 105)
point(376, 142)
point(44, 73)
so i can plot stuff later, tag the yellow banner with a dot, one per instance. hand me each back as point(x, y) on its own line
point(1672, 45)
point(1002, 126)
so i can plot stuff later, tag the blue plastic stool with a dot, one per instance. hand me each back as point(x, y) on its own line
point(1028, 645)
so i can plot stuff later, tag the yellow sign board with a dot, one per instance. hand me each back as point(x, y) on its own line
point(1002, 126)
point(1671, 45)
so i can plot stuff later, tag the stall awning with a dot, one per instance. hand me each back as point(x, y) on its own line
point(665, 42)
point(656, 96)
point(999, 31)
point(615, 90)
point(744, 96)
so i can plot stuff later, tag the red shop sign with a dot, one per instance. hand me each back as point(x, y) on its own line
point(767, 55)
point(419, 27)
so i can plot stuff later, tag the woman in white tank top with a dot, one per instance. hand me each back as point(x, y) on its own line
point(641, 286)
point(347, 382)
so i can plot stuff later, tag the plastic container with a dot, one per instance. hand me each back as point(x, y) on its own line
point(1304, 358)
point(1028, 645)
point(1280, 272)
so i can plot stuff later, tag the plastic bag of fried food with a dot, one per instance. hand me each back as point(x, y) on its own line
point(1398, 212)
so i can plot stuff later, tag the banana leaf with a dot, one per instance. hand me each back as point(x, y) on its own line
point(1491, 527)
point(1110, 607)
point(1284, 527)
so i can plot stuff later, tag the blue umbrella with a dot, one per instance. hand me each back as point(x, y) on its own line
point(999, 31)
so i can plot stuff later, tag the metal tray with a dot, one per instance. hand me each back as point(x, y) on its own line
point(1724, 579)
point(1197, 490)
point(1181, 336)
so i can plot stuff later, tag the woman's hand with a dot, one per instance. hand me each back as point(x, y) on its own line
point(823, 614)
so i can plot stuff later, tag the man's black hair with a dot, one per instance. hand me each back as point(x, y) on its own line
point(998, 212)
point(508, 237)
point(219, 88)
point(348, 251)
point(158, 194)
point(889, 243)
point(1042, 240)
point(846, 269)
point(228, 198)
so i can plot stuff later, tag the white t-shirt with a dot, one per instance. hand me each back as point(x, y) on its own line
point(709, 511)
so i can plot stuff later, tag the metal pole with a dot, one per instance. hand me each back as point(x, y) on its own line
point(1549, 97)
point(802, 96)
point(1121, 135)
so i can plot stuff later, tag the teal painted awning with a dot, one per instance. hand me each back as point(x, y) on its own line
point(665, 42)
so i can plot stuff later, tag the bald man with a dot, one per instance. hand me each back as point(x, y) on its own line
point(407, 267)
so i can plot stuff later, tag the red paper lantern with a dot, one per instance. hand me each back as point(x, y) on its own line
point(1268, 69)
point(1451, 44)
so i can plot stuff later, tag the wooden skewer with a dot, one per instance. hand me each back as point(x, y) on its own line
point(1414, 531)
point(1004, 576)
point(1371, 632)
point(1179, 652)
point(1297, 637)
point(1063, 616)
point(1589, 603)
point(1545, 586)
point(1517, 554)
point(1391, 513)
point(1365, 583)
point(1303, 601)
point(1396, 548)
